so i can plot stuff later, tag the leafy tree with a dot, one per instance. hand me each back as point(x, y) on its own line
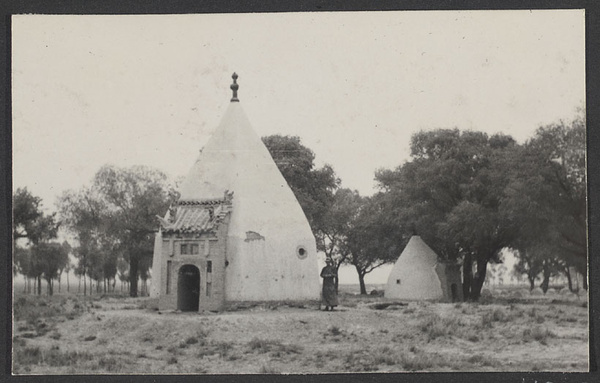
point(29, 221)
point(23, 263)
point(529, 265)
point(336, 224)
point(133, 198)
point(84, 214)
point(64, 267)
point(371, 239)
point(332, 213)
point(449, 193)
point(122, 272)
point(68, 268)
point(52, 257)
point(145, 266)
point(103, 266)
point(109, 270)
point(116, 216)
point(547, 198)
point(314, 188)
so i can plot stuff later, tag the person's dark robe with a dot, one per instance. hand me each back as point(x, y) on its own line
point(329, 274)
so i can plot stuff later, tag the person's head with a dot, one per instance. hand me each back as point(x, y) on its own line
point(329, 261)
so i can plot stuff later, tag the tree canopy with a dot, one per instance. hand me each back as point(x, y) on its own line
point(313, 187)
point(348, 228)
point(116, 216)
point(372, 239)
point(340, 216)
point(449, 193)
point(38, 257)
point(52, 258)
point(29, 220)
point(546, 199)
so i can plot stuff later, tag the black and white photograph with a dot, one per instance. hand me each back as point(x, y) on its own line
point(299, 193)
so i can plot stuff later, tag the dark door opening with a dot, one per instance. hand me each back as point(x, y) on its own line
point(188, 288)
point(454, 291)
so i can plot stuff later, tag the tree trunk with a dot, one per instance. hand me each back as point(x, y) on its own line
point(49, 286)
point(363, 288)
point(84, 285)
point(569, 280)
point(531, 282)
point(361, 281)
point(467, 276)
point(133, 276)
point(336, 281)
point(39, 285)
point(67, 281)
point(585, 282)
point(479, 279)
point(546, 281)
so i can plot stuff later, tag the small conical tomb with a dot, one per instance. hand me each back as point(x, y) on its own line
point(414, 275)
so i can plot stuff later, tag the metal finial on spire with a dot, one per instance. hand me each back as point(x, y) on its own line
point(234, 87)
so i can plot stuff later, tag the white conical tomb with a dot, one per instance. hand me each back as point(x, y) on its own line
point(414, 274)
point(271, 250)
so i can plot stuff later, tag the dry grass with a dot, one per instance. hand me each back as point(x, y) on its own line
point(274, 346)
point(25, 356)
point(126, 335)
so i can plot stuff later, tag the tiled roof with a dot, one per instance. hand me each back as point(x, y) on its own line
point(200, 217)
point(207, 202)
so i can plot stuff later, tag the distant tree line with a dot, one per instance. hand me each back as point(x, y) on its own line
point(467, 194)
point(42, 259)
point(113, 222)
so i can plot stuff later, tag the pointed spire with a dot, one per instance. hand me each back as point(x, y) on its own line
point(234, 87)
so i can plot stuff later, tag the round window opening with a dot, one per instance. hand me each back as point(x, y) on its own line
point(301, 252)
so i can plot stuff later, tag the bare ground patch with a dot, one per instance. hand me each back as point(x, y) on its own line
point(125, 335)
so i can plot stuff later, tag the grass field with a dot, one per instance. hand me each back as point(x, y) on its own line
point(509, 330)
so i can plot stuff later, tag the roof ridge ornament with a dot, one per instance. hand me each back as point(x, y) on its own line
point(234, 87)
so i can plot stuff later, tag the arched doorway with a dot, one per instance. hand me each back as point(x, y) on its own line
point(188, 288)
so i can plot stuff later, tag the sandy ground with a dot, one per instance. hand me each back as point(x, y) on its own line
point(513, 331)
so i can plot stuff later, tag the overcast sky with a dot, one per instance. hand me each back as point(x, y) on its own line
point(354, 86)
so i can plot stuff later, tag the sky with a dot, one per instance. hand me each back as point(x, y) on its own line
point(354, 86)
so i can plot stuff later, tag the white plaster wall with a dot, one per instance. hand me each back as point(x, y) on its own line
point(235, 159)
point(270, 270)
point(156, 266)
point(416, 270)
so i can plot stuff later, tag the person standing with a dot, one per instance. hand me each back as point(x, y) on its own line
point(329, 275)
